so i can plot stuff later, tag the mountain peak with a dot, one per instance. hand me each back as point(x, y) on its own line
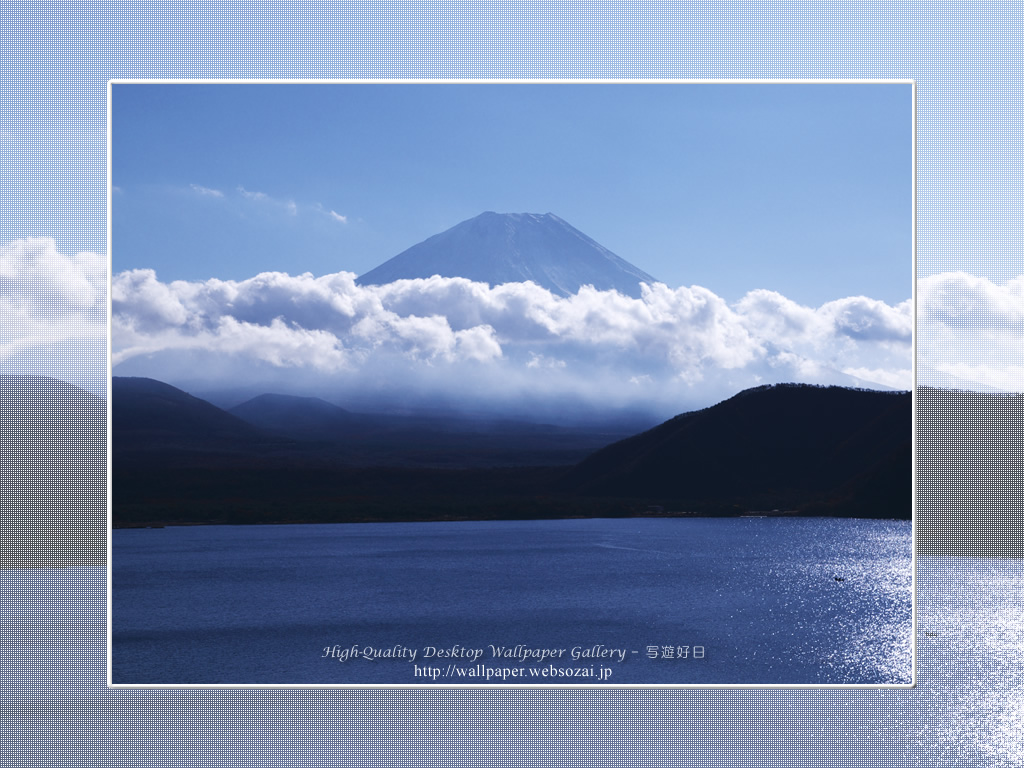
point(498, 248)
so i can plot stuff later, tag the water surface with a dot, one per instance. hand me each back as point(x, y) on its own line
point(757, 601)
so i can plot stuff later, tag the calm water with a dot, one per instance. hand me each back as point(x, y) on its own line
point(625, 601)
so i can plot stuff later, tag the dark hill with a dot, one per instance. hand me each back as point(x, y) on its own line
point(498, 248)
point(53, 472)
point(300, 417)
point(154, 421)
point(818, 449)
point(142, 405)
point(815, 450)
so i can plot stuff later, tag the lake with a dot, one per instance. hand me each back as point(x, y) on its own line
point(675, 601)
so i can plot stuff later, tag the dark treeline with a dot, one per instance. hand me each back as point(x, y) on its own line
point(173, 468)
point(789, 449)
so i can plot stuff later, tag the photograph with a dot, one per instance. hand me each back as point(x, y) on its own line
point(511, 385)
point(382, 415)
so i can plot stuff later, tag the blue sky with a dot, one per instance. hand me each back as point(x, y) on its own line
point(803, 189)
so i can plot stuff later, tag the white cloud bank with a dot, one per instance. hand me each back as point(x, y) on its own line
point(970, 332)
point(53, 311)
point(670, 349)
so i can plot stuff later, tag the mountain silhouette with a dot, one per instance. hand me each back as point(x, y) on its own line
point(148, 409)
point(53, 472)
point(300, 417)
point(826, 450)
point(156, 424)
point(810, 449)
point(497, 248)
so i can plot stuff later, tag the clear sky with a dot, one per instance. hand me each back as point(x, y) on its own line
point(804, 189)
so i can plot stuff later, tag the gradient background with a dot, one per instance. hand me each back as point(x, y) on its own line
point(56, 59)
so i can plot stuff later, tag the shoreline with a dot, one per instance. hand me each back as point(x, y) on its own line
point(750, 515)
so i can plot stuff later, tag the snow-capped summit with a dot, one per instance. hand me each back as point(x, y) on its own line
point(498, 248)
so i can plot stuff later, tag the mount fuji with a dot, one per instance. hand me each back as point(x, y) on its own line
point(498, 248)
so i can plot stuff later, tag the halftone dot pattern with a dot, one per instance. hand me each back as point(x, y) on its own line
point(53, 473)
point(971, 483)
point(56, 709)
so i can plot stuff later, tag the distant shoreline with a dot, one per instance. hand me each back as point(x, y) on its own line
point(459, 519)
